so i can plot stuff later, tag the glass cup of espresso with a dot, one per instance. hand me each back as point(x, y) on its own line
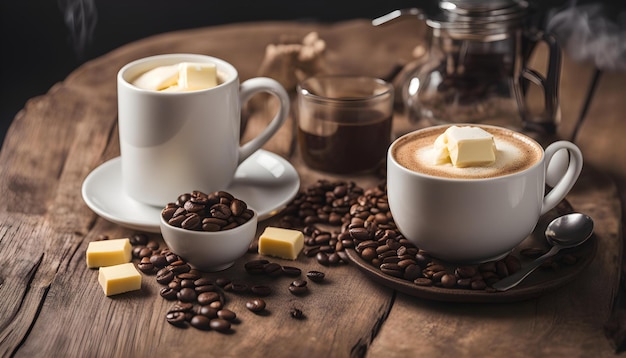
point(344, 123)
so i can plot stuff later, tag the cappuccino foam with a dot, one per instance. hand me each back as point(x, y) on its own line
point(515, 153)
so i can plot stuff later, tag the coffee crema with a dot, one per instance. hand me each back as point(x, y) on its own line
point(515, 153)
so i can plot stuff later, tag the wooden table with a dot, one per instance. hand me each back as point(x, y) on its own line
point(51, 304)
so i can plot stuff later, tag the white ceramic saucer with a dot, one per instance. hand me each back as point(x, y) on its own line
point(265, 181)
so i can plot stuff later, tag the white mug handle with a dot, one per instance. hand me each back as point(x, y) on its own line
point(567, 181)
point(263, 84)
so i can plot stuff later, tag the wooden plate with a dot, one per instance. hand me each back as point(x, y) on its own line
point(539, 282)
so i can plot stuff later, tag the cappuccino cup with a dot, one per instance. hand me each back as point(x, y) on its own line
point(473, 214)
point(176, 142)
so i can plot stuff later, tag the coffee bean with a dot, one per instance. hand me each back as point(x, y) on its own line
point(322, 258)
point(237, 287)
point(334, 258)
point(186, 283)
point(297, 313)
point(165, 277)
point(255, 305)
point(175, 285)
point(181, 307)
point(192, 275)
point(219, 325)
point(448, 280)
point(465, 271)
point(179, 267)
point(206, 288)
point(273, 269)
point(291, 271)
point(208, 311)
point(200, 322)
point(237, 207)
point(168, 293)
point(261, 290)
point(423, 281)
point(478, 285)
point(191, 222)
point(159, 261)
point(255, 267)
point(222, 281)
point(145, 266)
point(205, 298)
point(218, 305)
point(144, 252)
point(226, 314)
point(298, 287)
point(138, 239)
point(186, 294)
point(176, 319)
point(412, 272)
point(512, 264)
point(315, 276)
point(171, 257)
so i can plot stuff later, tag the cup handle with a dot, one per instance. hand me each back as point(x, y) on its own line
point(567, 181)
point(263, 84)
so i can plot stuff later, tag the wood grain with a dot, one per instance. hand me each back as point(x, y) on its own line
point(51, 304)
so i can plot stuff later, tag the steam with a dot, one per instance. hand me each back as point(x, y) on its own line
point(587, 34)
point(80, 17)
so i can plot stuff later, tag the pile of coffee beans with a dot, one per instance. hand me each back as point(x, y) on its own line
point(198, 211)
point(367, 226)
point(199, 301)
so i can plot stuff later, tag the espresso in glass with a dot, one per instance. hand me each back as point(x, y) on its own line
point(515, 153)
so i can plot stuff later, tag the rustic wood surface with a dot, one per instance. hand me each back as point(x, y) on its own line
point(51, 304)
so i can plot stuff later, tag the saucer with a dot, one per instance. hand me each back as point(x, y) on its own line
point(536, 284)
point(265, 181)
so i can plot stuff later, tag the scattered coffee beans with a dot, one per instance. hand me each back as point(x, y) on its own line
point(315, 276)
point(198, 211)
point(256, 305)
point(296, 313)
point(298, 287)
point(367, 226)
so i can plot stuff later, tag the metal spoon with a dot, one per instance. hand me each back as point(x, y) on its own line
point(563, 232)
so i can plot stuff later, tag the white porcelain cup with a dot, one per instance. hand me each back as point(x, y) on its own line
point(478, 219)
point(176, 142)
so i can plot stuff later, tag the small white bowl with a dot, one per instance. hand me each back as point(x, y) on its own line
point(210, 251)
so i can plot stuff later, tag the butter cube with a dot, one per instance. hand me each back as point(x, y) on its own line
point(119, 279)
point(158, 78)
point(194, 76)
point(282, 243)
point(441, 154)
point(466, 146)
point(108, 252)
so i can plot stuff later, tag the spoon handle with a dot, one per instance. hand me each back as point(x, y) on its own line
point(514, 279)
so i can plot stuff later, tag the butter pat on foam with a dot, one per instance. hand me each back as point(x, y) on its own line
point(119, 279)
point(182, 77)
point(108, 252)
point(282, 243)
point(465, 147)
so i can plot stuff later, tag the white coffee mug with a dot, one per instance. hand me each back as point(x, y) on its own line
point(475, 220)
point(176, 142)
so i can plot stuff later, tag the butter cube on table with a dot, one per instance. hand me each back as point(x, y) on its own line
point(282, 243)
point(108, 252)
point(470, 146)
point(119, 279)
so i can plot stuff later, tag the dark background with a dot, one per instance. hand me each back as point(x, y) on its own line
point(39, 48)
